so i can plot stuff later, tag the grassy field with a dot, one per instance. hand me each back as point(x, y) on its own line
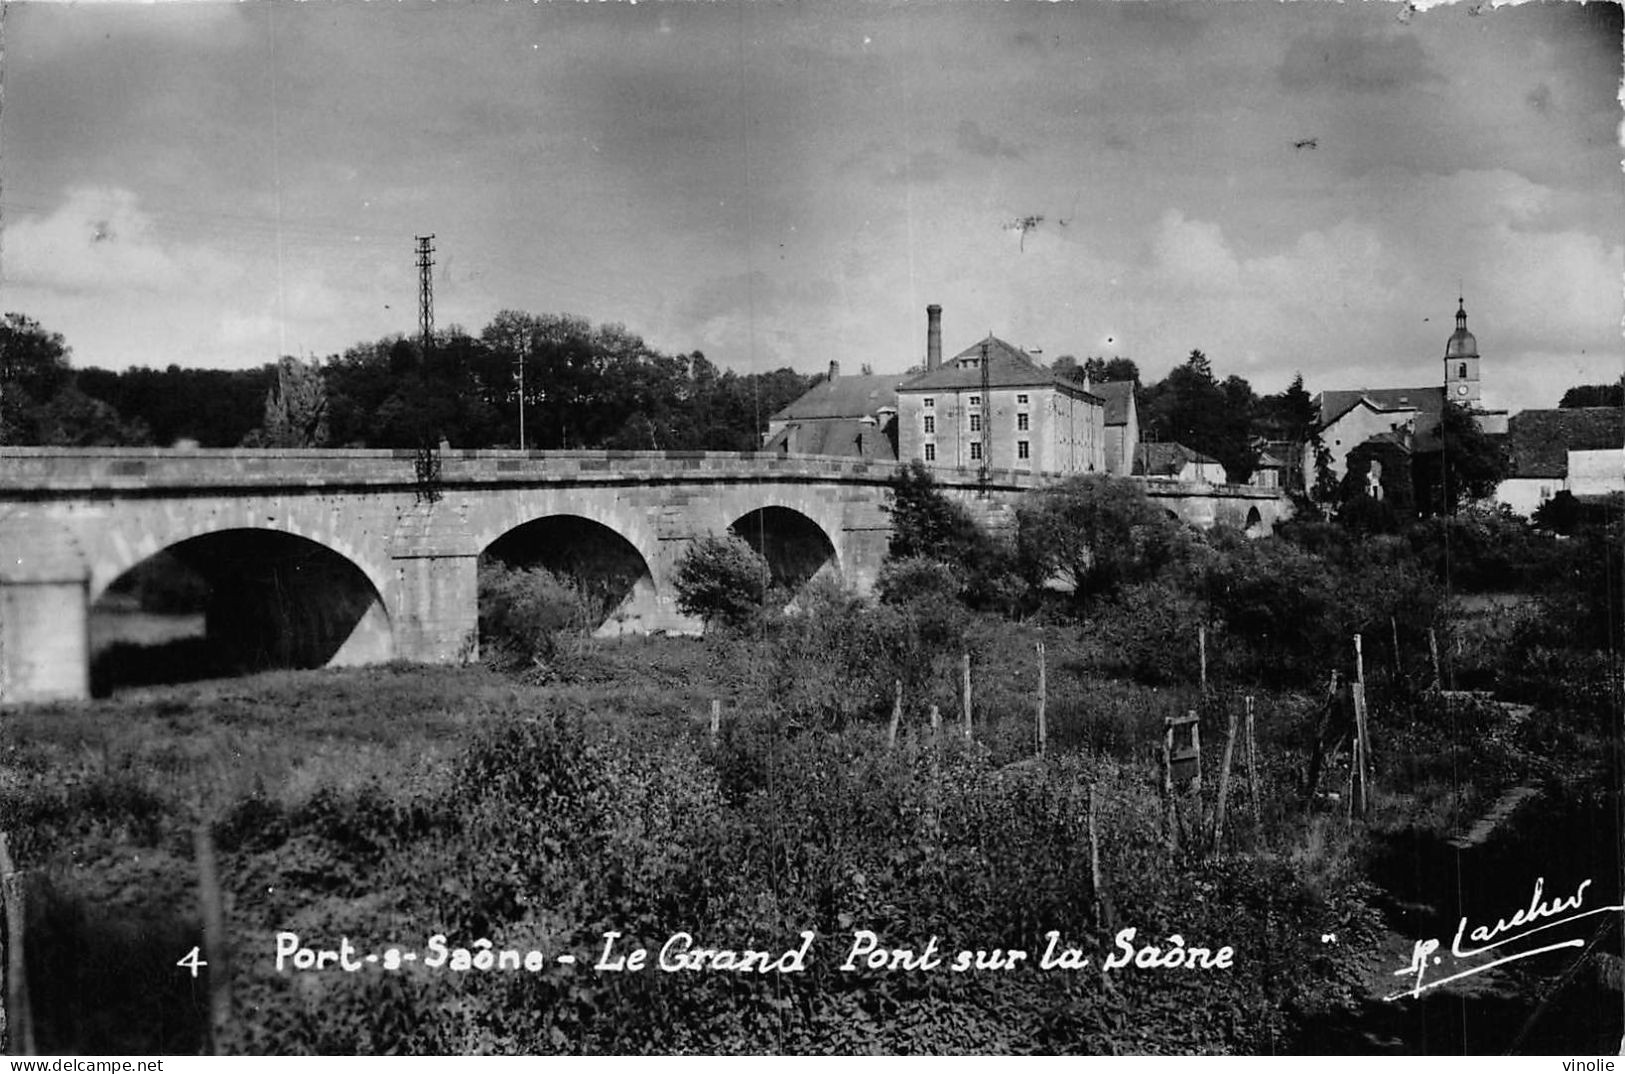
point(541, 807)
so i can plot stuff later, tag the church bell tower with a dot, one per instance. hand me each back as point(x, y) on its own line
point(1461, 384)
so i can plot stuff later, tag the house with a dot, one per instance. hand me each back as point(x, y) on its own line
point(1579, 450)
point(1176, 462)
point(1271, 470)
point(852, 416)
point(993, 405)
point(1351, 417)
point(1122, 424)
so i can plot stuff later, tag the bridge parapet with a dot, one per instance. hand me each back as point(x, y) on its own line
point(83, 469)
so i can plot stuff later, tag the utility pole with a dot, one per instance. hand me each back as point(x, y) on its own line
point(425, 290)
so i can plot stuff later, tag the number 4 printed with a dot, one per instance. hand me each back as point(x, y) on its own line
point(192, 961)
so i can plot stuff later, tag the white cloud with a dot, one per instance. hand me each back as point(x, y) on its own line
point(98, 240)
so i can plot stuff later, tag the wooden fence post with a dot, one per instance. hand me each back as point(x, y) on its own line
point(965, 668)
point(936, 721)
point(1101, 915)
point(20, 1021)
point(1433, 651)
point(1359, 661)
point(1201, 648)
point(1363, 740)
point(1042, 692)
point(214, 937)
point(1252, 763)
point(896, 717)
point(1224, 781)
point(1399, 667)
point(716, 719)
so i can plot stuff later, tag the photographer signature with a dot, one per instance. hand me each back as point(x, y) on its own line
point(1554, 912)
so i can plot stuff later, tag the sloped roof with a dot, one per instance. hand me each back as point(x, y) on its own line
point(844, 397)
point(1118, 396)
point(1539, 441)
point(1337, 402)
point(1427, 403)
point(1166, 460)
point(1268, 460)
point(1007, 367)
point(834, 436)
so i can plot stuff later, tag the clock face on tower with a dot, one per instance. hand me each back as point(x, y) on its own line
point(1461, 389)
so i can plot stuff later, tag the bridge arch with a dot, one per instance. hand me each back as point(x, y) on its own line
point(796, 546)
point(234, 600)
point(612, 573)
point(145, 534)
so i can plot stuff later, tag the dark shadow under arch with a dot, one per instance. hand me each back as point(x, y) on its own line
point(608, 570)
point(796, 548)
point(234, 602)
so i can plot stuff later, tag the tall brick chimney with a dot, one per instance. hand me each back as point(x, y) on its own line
point(834, 369)
point(933, 336)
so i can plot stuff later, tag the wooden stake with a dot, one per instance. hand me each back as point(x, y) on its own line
point(1094, 863)
point(1359, 661)
point(716, 720)
point(1171, 817)
point(1201, 648)
point(1393, 625)
point(896, 717)
point(1433, 651)
point(965, 668)
point(1362, 756)
point(214, 938)
point(20, 1019)
point(1252, 763)
point(936, 720)
point(1354, 766)
point(1042, 697)
point(1224, 781)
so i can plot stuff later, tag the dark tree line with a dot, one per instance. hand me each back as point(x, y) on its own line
point(585, 386)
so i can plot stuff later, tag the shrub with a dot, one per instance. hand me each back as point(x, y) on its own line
point(1095, 534)
point(524, 611)
point(722, 580)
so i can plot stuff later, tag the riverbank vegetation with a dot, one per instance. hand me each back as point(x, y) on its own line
point(577, 786)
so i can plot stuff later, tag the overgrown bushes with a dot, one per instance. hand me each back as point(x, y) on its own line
point(722, 580)
point(526, 613)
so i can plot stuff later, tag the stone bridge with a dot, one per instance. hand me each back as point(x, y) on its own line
point(308, 558)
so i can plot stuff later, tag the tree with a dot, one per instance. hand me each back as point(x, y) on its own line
point(33, 369)
point(1095, 534)
point(1101, 369)
point(74, 419)
point(1467, 469)
point(1191, 408)
point(1289, 416)
point(1594, 395)
point(295, 408)
point(721, 580)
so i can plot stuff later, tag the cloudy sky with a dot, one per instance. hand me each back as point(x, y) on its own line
point(1288, 186)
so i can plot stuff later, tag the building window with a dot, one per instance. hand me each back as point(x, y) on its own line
point(1021, 400)
point(1462, 371)
point(976, 423)
point(1021, 422)
point(930, 453)
point(975, 450)
point(976, 400)
point(930, 423)
point(930, 403)
point(1022, 450)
